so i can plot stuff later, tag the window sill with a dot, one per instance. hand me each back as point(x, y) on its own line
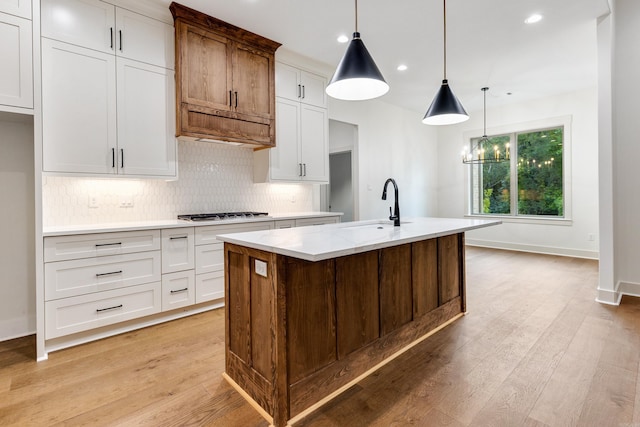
point(525, 219)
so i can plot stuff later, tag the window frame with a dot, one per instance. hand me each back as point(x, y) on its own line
point(512, 129)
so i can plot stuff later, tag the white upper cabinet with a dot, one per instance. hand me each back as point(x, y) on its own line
point(144, 39)
point(79, 109)
point(146, 119)
point(301, 153)
point(108, 91)
point(86, 23)
point(16, 64)
point(299, 85)
point(101, 26)
point(21, 8)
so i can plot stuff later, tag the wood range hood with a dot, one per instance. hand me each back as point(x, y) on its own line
point(225, 81)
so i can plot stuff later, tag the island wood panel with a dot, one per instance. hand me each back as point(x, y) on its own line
point(396, 294)
point(357, 301)
point(239, 306)
point(311, 315)
point(449, 271)
point(262, 331)
point(424, 273)
point(322, 383)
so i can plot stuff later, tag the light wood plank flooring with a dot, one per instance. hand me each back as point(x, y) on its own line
point(535, 349)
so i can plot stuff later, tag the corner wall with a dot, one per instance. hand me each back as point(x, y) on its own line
point(569, 239)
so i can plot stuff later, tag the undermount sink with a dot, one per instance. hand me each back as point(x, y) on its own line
point(381, 225)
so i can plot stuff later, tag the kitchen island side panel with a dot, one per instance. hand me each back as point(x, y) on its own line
point(324, 325)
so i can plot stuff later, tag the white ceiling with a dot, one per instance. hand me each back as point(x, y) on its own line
point(488, 43)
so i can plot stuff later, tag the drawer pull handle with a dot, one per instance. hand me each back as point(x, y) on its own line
point(177, 237)
point(107, 274)
point(100, 310)
point(179, 290)
point(98, 245)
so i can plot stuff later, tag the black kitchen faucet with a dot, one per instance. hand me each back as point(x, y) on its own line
point(395, 217)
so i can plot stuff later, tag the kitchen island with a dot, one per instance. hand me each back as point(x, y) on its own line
point(313, 310)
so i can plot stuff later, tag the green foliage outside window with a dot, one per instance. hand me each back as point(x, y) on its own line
point(538, 178)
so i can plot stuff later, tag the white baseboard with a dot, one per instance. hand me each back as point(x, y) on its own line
point(548, 250)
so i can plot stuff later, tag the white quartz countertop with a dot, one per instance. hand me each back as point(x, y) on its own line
point(172, 223)
point(316, 243)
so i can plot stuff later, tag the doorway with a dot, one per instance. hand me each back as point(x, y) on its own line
point(341, 184)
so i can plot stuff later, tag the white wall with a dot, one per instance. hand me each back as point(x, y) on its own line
point(17, 251)
point(392, 143)
point(570, 239)
point(625, 151)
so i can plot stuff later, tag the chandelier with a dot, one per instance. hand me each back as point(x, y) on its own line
point(482, 151)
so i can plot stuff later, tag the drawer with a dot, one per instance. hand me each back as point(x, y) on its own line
point(207, 234)
point(209, 286)
point(285, 223)
point(70, 315)
point(317, 221)
point(82, 276)
point(178, 289)
point(177, 249)
point(210, 258)
point(61, 248)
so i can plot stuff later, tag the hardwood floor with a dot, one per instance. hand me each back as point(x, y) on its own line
point(535, 349)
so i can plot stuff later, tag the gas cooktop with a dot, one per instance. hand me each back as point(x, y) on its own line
point(221, 216)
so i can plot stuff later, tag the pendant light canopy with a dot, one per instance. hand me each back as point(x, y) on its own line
point(445, 108)
point(357, 77)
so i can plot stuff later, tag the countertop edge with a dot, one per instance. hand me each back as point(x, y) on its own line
point(64, 230)
point(237, 239)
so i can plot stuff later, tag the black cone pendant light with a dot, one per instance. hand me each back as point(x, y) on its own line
point(445, 108)
point(357, 77)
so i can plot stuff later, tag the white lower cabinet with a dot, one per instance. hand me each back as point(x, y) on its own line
point(76, 314)
point(210, 286)
point(177, 249)
point(178, 290)
point(96, 285)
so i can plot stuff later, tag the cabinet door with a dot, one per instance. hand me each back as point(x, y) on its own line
point(312, 89)
point(284, 158)
point(314, 143)
point(78, 109)
point(178, 249)
point(86, 23)
point(252, 81)
point(16, 71)
point(21, 8)
point(287, 82)
point(178, 290)
point(205, 65)
point(144, 39)
point(146, 120)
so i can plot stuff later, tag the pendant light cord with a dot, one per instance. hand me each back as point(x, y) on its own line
point(356, 16)
point(444, 15)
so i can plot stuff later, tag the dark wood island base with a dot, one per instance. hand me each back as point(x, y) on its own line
point(298, 333)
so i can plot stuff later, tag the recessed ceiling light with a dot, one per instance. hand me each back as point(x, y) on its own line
point(342, 38)
point(402, 67)
point(533, 19)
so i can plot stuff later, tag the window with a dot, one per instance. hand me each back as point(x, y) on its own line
point(529, 184)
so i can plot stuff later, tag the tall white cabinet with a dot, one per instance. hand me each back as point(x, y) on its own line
point(107, 91)
point(302, 139)
point(16, 64)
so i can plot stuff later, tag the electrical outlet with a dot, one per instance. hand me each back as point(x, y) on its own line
point(93, 201)
point(261, 268)
point(126, 203)
point(591, 237)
